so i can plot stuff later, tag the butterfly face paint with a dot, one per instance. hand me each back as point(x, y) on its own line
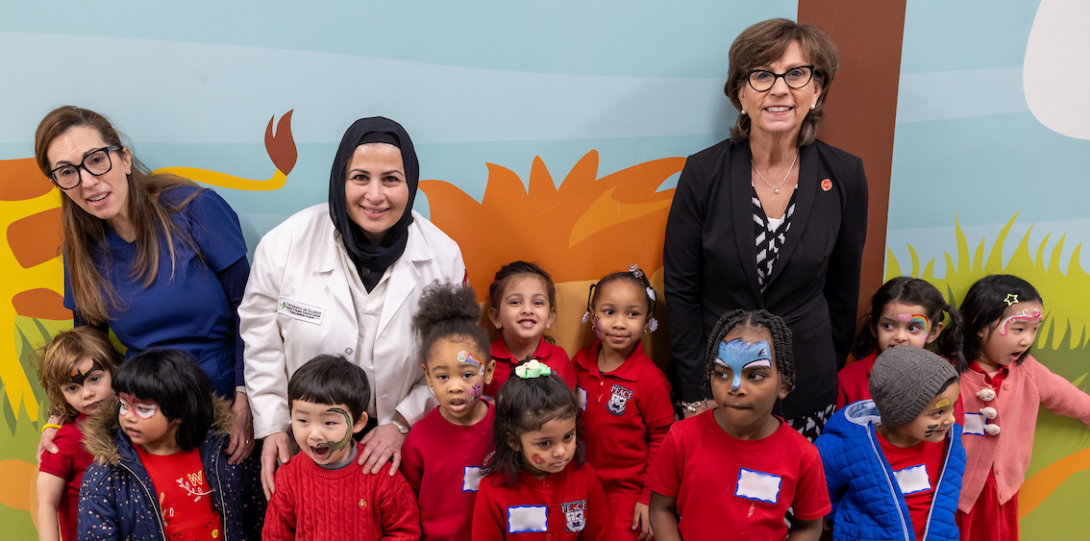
point(1031, 316)
point(335, 446)
point(739, 355)
point(144, 409)
point(79, 378)
point(474, 392)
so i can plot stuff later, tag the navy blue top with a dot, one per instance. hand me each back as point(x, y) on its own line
point(196, 310)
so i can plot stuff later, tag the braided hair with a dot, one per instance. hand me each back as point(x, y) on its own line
point(781, 344)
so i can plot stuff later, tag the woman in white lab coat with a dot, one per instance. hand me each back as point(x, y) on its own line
point(344, 278)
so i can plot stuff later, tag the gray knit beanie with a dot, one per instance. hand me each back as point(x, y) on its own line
point(904, 380)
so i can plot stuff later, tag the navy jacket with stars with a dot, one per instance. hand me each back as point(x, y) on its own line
point(117, 497)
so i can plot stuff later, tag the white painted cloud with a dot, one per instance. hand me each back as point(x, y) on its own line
point(1056, 75)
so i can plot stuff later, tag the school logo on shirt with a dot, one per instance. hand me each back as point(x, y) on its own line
point(619, 399)
point(574, 515)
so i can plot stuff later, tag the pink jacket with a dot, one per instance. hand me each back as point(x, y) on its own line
point(1024, 389)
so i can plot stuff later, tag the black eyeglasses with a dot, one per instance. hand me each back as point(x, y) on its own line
point(97, 162)
point(764, 80)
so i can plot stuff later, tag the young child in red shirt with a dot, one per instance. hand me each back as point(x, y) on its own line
point(1002, 391)
point(904, 312)
point(160, 469)
point(536, 484)
point(624, 397)
point(322, 493)
point(737, 469)
point(75, 370)
point(443, 454)
point(523, 301)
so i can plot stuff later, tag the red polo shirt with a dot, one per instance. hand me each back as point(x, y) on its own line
point(563, 506)
point(550, 354)
point(627, 413)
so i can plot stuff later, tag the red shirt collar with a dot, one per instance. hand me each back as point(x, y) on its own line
point(989, 379)
point(500, 351)
point(629, 370)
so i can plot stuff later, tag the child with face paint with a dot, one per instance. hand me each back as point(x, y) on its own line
point(904, 312)
point(160, 469)
point(894, 464)
point(624, 397)
point(75, 369)
point(445, 451)
point(537, 485)
point(737, 469)
point(321, 493)
point(1002, 392)
point(523, 300)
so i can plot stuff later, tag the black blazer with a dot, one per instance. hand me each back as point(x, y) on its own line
point(710, 262)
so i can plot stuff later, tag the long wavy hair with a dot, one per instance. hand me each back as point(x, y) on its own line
point(85, 234)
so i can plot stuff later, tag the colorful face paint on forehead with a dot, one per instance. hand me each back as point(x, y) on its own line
point(943, 403)
point(739, 355)
point(78, 377)
point(466, 357)
point(1032, 316)
point(145, 409)
point(338, 445)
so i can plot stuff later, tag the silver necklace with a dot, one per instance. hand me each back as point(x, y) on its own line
point(776, 189)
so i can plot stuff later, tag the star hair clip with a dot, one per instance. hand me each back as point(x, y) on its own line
point(533, 370)
point(1011, 299)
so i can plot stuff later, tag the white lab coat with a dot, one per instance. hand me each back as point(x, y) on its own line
point(298, 305)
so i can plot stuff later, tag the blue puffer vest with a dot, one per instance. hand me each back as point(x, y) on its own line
point(867, 501)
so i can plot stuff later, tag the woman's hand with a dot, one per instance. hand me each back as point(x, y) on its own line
point(46, 442)
point(704, 406)
point(380, 445)
point(242, 430)
point(276, 446)
point(641, 521)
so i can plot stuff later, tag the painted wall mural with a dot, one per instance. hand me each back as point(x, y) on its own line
point(554, 135)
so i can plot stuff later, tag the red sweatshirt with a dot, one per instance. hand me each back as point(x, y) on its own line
point(550, 354)
point(563, 506)
point(626, 413)
point(442, 463)
point(313, 503)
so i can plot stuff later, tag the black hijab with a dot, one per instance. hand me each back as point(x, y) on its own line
point(372, 260)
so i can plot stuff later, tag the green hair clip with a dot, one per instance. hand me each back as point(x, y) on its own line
point(533, 370)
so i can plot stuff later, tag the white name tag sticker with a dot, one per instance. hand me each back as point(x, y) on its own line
point(300, 311)
point(974, 424)
point(527, 518)
point(581, 398)
point(913, 480)
point(471, 479)
point(756, 485)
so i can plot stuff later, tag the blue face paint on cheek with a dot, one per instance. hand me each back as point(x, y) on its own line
point(738, 354)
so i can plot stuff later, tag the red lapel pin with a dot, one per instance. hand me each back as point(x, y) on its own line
point(826, 185)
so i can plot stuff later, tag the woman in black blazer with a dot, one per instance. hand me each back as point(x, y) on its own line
point(770, 219)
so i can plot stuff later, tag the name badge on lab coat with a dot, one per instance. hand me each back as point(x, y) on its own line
point(300, 311)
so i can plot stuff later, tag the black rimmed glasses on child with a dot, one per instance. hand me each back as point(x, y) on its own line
point(764, 80)
point(97, 162)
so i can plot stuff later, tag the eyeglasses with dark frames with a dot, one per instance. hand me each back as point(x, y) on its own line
point(97, 162)
point(764, 80)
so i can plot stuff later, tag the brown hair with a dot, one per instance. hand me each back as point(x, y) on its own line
point(83, 232)
point(59, 357)
point(764, 43)
point(519, 269)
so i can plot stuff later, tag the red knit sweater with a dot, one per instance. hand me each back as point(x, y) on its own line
point(346, 504)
